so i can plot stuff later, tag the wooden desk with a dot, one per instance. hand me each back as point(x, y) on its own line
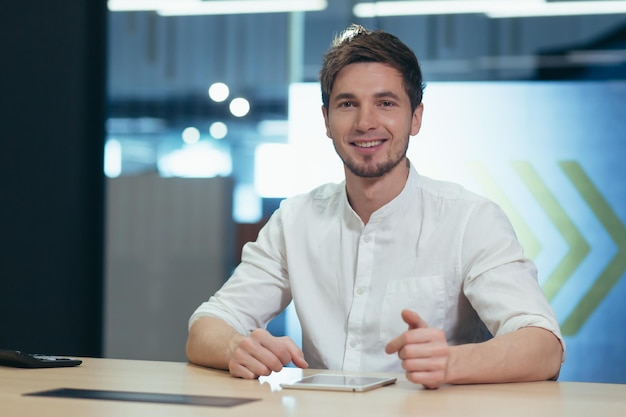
point(401, 399)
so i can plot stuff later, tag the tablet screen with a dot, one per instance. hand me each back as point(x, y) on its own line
point(340, 382)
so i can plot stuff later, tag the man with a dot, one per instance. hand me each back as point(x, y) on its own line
point(389, 270)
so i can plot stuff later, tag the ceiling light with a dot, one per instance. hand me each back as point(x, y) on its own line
point(219, 92)
point(562, 8)
point(144, 5)
point(492, 8)
point(426, 7)
point(218, 130)
point(239, 107)
point(191, 135)
point(216, 7)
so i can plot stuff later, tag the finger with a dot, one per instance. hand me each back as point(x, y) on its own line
point(424, 343)
point(415, 322)
point(244, 364)
point(396, 344)
point(419, 342)
point(413, 319)
point(287, 351)
point(410, 337)
point(296, 355)
point(253, 357)
point(430, 380)
point(283, 349)
point(252, 354)
point(424, 365)
point(240, 371)
point(269, 359)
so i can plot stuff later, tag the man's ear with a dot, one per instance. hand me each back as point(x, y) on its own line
point(326, 122)
point(416, 123)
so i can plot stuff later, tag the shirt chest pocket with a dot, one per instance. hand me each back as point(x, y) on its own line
point(425, 295)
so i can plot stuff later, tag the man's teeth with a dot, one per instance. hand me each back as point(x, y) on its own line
point(368, 144)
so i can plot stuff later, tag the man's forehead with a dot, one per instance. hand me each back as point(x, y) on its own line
point(372, 79)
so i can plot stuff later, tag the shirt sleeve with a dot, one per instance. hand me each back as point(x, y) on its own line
point(259, 288)
point(499, 281)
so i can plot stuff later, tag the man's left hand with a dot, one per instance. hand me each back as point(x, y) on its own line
point(423, 350)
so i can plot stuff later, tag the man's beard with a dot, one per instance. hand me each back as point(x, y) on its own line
point(367, 171)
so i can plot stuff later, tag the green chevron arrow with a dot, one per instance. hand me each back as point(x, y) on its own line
point(578, 246)
point(615, 269)
point(527, 238)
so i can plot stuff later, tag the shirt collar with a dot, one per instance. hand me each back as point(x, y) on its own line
point(395, 205)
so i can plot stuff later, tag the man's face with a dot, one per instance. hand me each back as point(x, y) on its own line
point(369, 118)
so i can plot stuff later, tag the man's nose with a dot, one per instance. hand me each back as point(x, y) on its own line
point(366, 119)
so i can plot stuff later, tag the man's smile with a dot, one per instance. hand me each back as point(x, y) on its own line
point(368, 144)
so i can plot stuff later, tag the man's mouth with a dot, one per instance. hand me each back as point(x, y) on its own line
point(368, 144)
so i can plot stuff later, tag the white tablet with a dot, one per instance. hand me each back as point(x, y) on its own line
point(336, 382)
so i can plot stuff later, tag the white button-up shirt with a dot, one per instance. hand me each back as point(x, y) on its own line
point(438, 249)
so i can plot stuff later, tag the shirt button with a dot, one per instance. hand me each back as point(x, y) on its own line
point(360, 290)
point(353, 343)
point(366, 239)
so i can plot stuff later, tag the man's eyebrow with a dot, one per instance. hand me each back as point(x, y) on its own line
point(387, 94)
point(382, 94)
point(343, 96)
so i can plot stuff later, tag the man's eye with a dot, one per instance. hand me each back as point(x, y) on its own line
point(387, 104)
point(346, 104)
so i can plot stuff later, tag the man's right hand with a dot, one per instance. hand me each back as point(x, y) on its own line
point(260, 353)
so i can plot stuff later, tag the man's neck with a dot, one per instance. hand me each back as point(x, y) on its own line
point(366, 195)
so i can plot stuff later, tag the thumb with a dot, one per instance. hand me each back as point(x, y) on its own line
point(413, 320)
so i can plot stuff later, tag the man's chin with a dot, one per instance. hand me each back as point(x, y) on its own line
point(369, 172)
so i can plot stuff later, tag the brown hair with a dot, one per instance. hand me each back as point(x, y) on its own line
point(357, 44)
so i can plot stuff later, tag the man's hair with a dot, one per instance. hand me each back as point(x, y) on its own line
point(357, 44)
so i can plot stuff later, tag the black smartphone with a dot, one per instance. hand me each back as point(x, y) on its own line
point(19, 359)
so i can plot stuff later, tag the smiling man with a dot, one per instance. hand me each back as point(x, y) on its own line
point(388, 270)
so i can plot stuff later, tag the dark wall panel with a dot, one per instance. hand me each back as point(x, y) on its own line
point(52, 106)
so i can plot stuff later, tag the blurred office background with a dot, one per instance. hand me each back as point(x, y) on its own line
point(142, 148)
